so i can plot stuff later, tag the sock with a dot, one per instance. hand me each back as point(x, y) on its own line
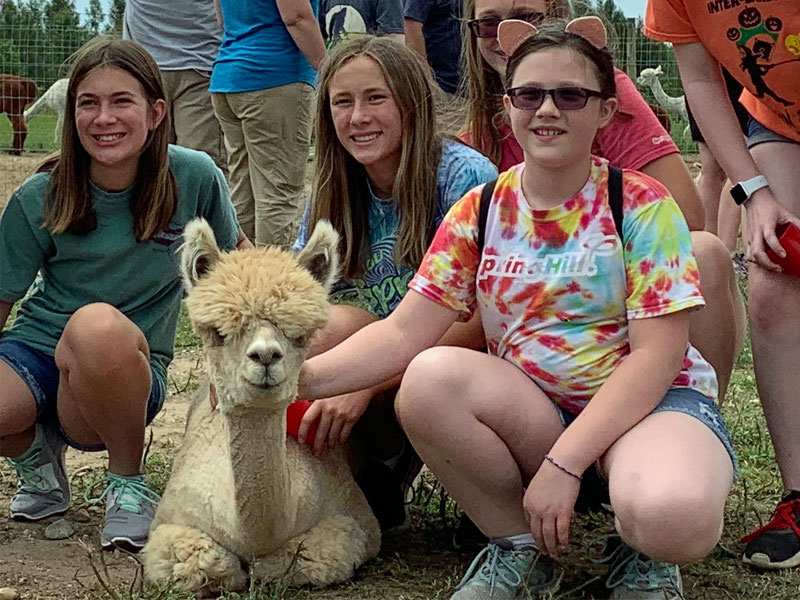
point(523, 540)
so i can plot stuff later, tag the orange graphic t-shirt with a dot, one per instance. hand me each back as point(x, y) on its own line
point(758, 41)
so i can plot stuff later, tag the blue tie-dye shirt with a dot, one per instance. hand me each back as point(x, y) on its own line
point(384, 283)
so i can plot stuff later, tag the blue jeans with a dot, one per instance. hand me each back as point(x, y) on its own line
point(692, 403)
point(758, 134)
point(39, 372)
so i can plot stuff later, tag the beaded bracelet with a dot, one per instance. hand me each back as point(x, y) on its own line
point(549, 459)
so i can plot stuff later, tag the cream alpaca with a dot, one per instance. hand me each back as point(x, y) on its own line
point(241, 496)
point(54, 99)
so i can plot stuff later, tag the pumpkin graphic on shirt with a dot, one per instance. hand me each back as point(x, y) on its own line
point(792, 43)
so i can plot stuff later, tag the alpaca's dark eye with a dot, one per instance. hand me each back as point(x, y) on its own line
point(217, 338)
point(301, 341)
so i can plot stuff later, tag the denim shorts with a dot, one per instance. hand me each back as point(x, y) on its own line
point(758, 134)
point(39, 372)
point(692, 403)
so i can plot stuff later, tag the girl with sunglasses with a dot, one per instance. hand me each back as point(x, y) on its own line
point(589, 364)
point(633, 139)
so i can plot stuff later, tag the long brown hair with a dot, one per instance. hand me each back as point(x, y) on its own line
point(68, 206)
point(483, 86)
point(340, 192)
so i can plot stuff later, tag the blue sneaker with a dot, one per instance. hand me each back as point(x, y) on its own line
point(634, 576)
point(130, 507)
point(500, 572)
point(43, 487)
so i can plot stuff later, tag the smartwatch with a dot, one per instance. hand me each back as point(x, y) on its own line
point(742, 191)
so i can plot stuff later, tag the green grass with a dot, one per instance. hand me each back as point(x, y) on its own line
point(185, 338)
point(41, 133)
point(680, 134)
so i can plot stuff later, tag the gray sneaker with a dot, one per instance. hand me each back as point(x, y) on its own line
point(499, 572)
point(130, 507)
point(633, 576)
point(43, 488)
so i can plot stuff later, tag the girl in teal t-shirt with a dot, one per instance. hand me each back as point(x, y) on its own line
point(85, 360)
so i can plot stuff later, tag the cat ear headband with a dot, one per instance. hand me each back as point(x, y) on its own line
point(512, 32)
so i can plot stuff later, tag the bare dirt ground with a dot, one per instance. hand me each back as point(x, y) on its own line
point(41, 568)
point(13, 170)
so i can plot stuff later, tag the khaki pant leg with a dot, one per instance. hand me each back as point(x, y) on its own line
point(276, 124)
point(194, 122)
point(238, 162)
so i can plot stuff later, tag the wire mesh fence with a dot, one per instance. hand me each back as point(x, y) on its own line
point(37, 37)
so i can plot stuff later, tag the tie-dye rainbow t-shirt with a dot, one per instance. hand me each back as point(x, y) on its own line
point(554, 287)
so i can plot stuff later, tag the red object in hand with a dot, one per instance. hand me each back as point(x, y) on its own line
point(294, 414)
point(789, 237)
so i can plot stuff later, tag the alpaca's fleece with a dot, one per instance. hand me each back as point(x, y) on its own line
point(247, 286)
point(241, 497)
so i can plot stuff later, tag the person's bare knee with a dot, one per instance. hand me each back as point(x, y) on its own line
point(673, 524)
point(767, 299)
point(713, 261)
point(428, 374)
point(100, 339)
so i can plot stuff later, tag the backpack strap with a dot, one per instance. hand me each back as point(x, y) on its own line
point(615, 197)
point(483, 212)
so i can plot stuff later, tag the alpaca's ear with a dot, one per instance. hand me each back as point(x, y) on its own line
point(320, 256)
point(658, 70)
point(199, 252)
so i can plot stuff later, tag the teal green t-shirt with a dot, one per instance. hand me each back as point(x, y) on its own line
point(107, 265)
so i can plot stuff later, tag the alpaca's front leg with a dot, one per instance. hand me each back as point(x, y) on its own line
point(191, 560)
point(327, 553)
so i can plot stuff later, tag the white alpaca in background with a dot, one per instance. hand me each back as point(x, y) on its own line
point(55, 100)
point(651, 79)
point(674, 104)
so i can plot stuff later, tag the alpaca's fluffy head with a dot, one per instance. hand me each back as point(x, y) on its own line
point(649, 76)
point(256, 311)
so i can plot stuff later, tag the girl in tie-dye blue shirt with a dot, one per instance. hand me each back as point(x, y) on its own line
point(384, 282)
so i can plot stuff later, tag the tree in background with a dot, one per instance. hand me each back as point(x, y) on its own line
point(115, 15)
point(37, 36)
point(95, 17)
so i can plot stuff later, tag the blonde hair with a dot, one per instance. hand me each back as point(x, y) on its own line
point(340, 188)
point(68, 206)
point(483, 86)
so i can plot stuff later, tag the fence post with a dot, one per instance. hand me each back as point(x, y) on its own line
point(630, 47)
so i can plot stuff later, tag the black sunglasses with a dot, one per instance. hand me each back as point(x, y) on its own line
point(529, 97)
point(487, 27)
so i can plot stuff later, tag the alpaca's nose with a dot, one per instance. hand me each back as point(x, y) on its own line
point(265, 352)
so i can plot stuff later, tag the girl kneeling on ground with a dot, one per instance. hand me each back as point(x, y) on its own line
point(589, 363)
point(85, 361)
point(385, 178)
